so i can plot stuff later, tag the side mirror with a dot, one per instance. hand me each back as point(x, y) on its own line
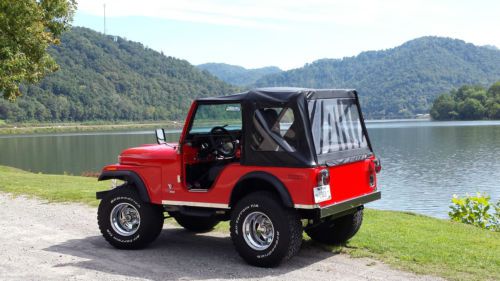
point(160, 136)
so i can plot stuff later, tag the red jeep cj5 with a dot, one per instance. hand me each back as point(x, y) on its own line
point(272, 161)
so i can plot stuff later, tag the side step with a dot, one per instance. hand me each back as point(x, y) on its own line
point(194, 211)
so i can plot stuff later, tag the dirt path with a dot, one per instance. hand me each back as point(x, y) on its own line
point(42, 241)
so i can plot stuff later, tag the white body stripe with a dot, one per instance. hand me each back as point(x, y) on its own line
point(306, 206)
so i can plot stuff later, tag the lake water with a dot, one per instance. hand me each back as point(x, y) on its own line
point(424, 163)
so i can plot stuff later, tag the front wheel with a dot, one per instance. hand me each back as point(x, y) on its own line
point(126, 222)
point(336, 231)
point(264, 232)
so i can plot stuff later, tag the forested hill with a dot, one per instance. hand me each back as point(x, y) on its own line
point(110, 78)
point(238, 75)
point(402, 81)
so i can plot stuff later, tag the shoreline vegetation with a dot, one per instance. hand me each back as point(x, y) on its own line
point(469, 102)
point(404, 240)
point(106, 126)
point(73, 127)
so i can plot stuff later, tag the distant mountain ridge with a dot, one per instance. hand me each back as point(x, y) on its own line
point(491, 47)
point(402, 81)
point(110, 78)
point(238, 75)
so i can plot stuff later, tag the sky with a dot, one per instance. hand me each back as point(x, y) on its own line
point(287, 33)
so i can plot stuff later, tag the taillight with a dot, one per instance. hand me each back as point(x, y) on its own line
point(372, 179)
point(322, 190)
point(323, 177)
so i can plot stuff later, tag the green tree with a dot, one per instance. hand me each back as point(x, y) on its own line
point(468, 103)
point(494, 91)
point(471, 109)
point(444, 108)
point(493, 110)
point(27, 29)
point(469, 91)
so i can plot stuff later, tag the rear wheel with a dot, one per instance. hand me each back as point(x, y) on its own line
point(264, 232)
point(336, 231)
point(126, 222)
point(196, 224)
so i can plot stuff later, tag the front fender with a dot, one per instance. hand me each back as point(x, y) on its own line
point(129, 177)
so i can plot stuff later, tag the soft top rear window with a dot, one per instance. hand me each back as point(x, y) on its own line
point(337, 127)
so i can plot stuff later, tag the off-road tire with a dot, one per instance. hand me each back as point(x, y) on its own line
point(287, 230)
point(336, 231)
point(196, 224)
point(151, 219)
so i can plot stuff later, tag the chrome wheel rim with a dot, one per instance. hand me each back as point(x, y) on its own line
point(258, 231)
point(125, 219)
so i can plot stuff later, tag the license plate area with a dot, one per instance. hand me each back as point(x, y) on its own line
point(322, 193)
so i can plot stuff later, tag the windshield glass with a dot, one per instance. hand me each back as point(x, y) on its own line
point(212, 115)
point(336, 125)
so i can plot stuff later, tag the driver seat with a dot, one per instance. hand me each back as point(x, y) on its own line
point(271, 117)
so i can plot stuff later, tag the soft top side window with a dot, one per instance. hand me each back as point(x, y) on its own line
point(273, 129)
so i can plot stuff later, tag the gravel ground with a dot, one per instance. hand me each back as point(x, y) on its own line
point(45, 241)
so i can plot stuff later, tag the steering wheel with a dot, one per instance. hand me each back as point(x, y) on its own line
point(223, 141)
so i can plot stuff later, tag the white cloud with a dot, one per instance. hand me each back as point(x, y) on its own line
point(425, 15)
point(258, 13)
point(337, 28)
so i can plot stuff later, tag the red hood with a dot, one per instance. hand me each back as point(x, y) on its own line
point(148, 154)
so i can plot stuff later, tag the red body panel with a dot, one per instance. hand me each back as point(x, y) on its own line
point(350, 180)
point(160, 165)
point(152, 163)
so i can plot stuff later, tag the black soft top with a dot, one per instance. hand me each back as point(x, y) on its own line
point(281, 95)
point(303, 153)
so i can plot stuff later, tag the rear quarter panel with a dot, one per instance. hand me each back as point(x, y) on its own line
point(350, 180)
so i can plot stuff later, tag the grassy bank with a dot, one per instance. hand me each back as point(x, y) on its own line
point(47, 128)
point(407, 241)
point(54, 188)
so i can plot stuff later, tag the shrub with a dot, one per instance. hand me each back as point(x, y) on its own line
point(476, 210)
point(496, 217)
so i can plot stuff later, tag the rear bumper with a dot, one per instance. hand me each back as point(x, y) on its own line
point(349, 204)
point(343, 207)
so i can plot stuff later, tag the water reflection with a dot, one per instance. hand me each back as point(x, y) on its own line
point(423, 166)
